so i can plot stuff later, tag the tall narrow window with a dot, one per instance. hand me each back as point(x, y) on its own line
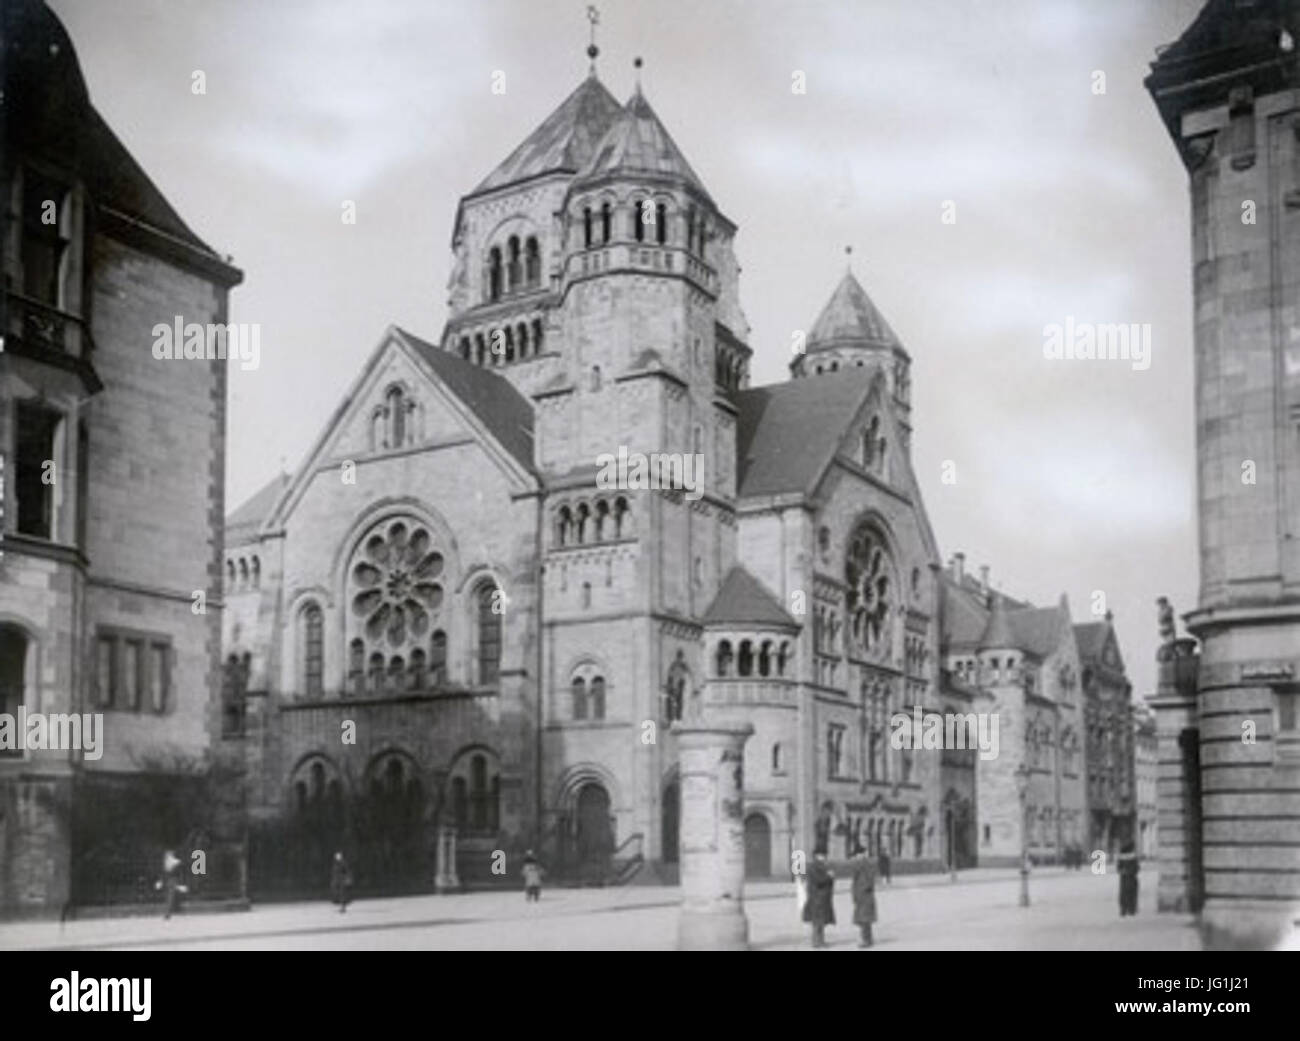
point(532, 263)
point(494, 273)
point(579, 698)
point(638, 222)
point(489, 636)
point(598, 698)
point(396, 402)
point(313, 622)
point(438, 659)
point(586, 227)
point(43, 243)
point(357, 667)
point(605, 218)
point(36, 470)
point(661, 224)
point(105, 670)
point(133, 673)
point(513, 268)
point(160, 676)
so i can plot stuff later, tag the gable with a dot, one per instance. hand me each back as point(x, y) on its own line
point(441, 400)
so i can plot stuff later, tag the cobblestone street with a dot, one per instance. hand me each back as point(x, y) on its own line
point(1069, 911)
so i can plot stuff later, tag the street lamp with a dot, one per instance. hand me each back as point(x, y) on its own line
point(1022, 786)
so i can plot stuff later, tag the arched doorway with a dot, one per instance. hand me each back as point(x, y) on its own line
point(671, 816)
point(594, 836)
point(758, 846)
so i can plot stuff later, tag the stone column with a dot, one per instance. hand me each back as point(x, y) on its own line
point(446, 880)
point(711, 762)
point(1177, 793)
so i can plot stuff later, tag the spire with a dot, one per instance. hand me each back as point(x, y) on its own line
point(997, 634)
point(593, 16)
point(850, 318)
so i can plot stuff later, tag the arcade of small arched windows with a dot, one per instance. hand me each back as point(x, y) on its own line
point(587, 694)
point(585, 523)
point(916, 654)
point(243, 572)
point(503, 344)
point(646, 219)
point(728, 368)
point(513, 266)
point(757, 657)
point(393, 423)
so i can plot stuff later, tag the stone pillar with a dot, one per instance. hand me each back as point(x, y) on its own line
point(1177, 799)
point(446, 879)
point(711, 761)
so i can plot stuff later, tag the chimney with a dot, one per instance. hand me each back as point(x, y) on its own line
point(984, 579)
point(959, 567)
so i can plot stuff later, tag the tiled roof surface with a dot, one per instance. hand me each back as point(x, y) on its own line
point(494, 399)
point(786, 433)
point(850, 315)
point(249, 516)
point(1091, 638)
point(744, 600)
point(639, 143)
point(565, 139)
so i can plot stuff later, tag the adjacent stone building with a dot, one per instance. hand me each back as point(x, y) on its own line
point(1228, 91)
point(112, 465)
point(1021, 663)
point(1145, 771)
point(1108, 726)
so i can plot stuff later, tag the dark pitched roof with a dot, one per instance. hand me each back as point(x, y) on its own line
point(494, 399)
point(638, 143)
point(850, 317)
point(248, 517)
point(1091, 638)
point(744, 600)
point(1036, 630)
point(997, 631)
point(50, 115)
point(786, 433)
point(563, 141)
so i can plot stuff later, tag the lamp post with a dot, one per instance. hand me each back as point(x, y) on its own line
point(1022, 786)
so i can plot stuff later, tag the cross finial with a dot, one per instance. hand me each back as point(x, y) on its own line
point(636, 64)
point(848, 257)
point(593, 16)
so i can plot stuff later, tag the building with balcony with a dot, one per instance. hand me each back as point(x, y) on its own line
point(110, 536)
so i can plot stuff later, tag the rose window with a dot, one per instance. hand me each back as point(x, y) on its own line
point(870, 594)
point(394, 596)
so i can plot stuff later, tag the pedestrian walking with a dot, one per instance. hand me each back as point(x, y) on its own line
point(864, 895)
point(532, 878)
point(1128, 880)
point(885, 865)
point(171, 884)
point(340, 882)
point(819, 909)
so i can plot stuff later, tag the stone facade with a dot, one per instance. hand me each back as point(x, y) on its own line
point(110, 588)
point(1229, 93)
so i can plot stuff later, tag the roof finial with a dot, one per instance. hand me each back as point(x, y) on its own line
point(593, 16)
point(848, 254)
point(636, 64)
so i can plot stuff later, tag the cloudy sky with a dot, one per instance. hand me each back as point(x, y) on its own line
point(1072, 476)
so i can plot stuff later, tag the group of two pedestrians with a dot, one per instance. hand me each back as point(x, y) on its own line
point(819, 901)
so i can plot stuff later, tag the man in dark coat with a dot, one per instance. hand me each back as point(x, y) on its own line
point(1128, 880)
point(340, 882)
point(864, 895)
point(819, 908)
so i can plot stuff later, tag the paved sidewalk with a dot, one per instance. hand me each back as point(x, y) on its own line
point(1069, 910)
